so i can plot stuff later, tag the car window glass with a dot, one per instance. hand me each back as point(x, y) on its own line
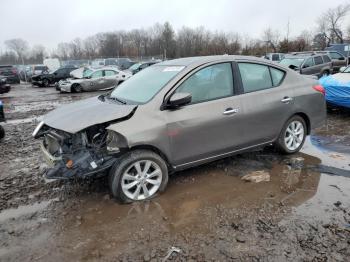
point(210, 83)
point(109, 73)
point(97, 74)
point(335, 55)
point(255, 77)
point(309, 62)
point(276, 75)
point(326, 58)
point(318, 60)
point(275, 57)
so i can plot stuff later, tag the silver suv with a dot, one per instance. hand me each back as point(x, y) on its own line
point(179, 114)
point(306, 64)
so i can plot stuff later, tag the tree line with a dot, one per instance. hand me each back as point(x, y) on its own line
point(162, 41)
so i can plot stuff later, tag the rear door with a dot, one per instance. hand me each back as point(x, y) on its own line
point(266, 102)
point(110, 78)
point(318, 65)
point(210, 125)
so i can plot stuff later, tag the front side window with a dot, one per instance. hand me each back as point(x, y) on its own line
point(255, 77)
point(212, 82)
point(318, 60)
point(275, 57)
point(97, 74)
point(309, 62)
point(146, 84)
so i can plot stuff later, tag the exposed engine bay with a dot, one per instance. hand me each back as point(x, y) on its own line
point(76, 155)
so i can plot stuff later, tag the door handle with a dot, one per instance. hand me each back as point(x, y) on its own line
point(230, 111)
point(286, 99)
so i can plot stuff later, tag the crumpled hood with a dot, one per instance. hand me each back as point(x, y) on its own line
point(77, 116)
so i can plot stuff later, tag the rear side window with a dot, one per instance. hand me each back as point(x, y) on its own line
point(209, 83)
point(277, 76)
point(255, 77)
point(110, 73)
point(318, 60)
point(326, 58)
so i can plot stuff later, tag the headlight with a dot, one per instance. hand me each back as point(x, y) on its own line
point(36, 130)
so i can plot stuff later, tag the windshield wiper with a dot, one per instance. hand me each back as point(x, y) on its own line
point(118, 99)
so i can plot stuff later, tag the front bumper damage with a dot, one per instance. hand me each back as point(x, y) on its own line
point(74, 155)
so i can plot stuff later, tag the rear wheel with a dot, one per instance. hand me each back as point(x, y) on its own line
point(292, 136)
point(325, 73)
point(138, 175)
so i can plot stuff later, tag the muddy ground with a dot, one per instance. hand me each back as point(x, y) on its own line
point(207, 212)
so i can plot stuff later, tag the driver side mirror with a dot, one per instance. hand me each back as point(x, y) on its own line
point(178, 100)
point(341, 58)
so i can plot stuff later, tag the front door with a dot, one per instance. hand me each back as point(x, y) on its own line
point(210, 125)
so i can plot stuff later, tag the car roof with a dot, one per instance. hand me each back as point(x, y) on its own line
point(208, 59)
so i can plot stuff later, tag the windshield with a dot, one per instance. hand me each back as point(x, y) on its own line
point(135, 66)
point(143, 86)
point(292, 61)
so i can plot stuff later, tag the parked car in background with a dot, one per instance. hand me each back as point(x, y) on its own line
point(135, 68)
point(11, 74)
point(46, 78)
point(179, 114)
point(306, 64)
point(4, 86)
point(2, 119)
point(337, 88)
point(344, 49)
point(94, 79)
point(122, 63)
point(338, 59)
point(274, 56)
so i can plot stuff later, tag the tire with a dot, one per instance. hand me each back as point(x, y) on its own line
point(2, 132)
point(325, 73)
point(77, 88)
point(125, 167)
point(46, 82)
point(284, 144)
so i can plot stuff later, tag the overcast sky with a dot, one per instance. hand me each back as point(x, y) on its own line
point(50, 22)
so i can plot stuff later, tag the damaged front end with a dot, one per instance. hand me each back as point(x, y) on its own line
point(81, 154)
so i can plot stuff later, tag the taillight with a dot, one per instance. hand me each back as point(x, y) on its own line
point(320, 89)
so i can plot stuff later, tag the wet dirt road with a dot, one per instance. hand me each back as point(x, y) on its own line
point(208, 212)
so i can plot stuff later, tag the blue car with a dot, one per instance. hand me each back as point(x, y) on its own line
point(337, 88)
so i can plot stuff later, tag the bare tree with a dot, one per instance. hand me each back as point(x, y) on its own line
point(271, 38)
point(19, 46)
point(330, 23)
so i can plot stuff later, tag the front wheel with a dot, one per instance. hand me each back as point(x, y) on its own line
point(138, 175)
point(77, 88)
point(292, 136)
point(46, 83)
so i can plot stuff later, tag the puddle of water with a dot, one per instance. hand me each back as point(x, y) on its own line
point(23, 210)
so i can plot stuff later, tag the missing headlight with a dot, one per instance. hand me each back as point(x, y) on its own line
point(112, 142)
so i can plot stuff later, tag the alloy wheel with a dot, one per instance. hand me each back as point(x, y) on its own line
point(294, 135)
point(141, 180)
